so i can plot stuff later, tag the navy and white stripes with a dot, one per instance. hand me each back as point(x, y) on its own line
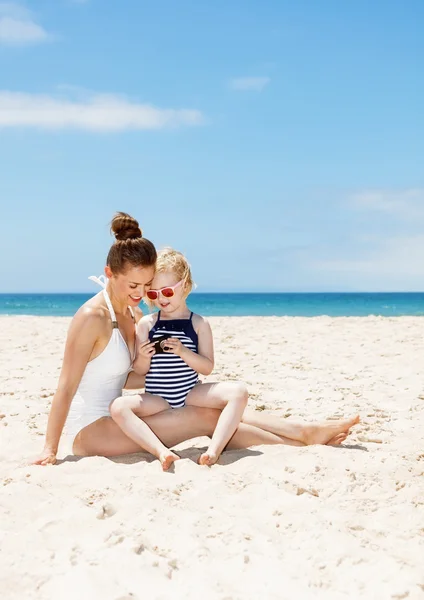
point(170, 376)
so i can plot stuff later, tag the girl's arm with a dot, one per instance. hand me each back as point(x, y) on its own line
point(203, 362)
point(83, 334)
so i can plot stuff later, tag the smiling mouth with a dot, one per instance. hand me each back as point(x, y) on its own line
point(136, 298)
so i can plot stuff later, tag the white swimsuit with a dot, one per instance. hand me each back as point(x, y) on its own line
point(102, 381)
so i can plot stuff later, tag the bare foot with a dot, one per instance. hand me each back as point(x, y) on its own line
point(329, 430)
point(167, 459)
point(337, 439)
point(208, 459)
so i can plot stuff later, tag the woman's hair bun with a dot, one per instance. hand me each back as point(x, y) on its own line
point(125, 227)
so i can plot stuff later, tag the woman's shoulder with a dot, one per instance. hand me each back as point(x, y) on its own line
point(92, 313)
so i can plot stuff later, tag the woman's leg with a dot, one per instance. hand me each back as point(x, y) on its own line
point(229, 397)
point(217, 395)
point(326, 432)
point(128, 413)
point(173, 426)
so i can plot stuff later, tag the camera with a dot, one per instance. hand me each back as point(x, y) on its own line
point(159, 343)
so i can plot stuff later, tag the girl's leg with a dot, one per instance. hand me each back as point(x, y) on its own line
point(231, 398)
point(128, 412)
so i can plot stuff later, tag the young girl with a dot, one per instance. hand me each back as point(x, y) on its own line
point(176, 346)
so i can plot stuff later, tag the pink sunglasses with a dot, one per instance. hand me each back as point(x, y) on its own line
point(167, 292)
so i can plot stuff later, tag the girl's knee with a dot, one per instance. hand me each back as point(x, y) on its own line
point(239, 393)
point(117, 407)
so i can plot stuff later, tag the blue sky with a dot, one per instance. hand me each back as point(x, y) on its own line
point(279, 144)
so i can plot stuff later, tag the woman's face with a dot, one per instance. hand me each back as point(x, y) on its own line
point(133, 284)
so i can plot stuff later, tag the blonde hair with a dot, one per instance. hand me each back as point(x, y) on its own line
point(171, 260)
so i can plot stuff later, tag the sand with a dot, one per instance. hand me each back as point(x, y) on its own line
point(270, 522)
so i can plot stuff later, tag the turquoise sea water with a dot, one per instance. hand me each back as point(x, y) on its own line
point(302, 305)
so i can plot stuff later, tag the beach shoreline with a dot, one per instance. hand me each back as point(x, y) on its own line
point(268, 522)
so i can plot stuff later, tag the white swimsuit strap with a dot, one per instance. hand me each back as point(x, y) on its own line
point(102, 281)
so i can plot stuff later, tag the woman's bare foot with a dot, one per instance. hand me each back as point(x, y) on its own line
point(328, 431)
point(208, 459)
point(167, 459)
point(337, 439)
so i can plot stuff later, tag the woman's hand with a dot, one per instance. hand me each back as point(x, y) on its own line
point(47, 457)
point(174, 346)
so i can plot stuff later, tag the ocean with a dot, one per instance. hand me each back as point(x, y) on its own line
point(253, 304)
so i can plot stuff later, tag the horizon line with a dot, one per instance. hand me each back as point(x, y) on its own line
point(194, 293)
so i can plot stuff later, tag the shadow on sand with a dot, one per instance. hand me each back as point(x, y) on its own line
point(227, 458)
point(352, 447)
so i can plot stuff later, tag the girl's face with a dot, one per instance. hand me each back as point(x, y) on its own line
point(131, 285)
point(168, 279)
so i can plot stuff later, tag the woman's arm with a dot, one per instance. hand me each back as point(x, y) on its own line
point(203, 361)
point(84, 331)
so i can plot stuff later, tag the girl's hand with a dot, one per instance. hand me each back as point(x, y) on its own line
point(47, 457)
point(174, 346)
point(146, 350)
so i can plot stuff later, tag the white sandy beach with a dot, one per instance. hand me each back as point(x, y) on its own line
point(268, 523)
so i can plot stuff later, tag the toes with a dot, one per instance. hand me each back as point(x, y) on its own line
point(168, 461)
point(337, 439)
point(204, 459)
point(207, 460)
point(354, 421)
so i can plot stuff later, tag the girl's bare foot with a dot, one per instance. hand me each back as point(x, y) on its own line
point(167, 459)
point(329, 430)
point(208, 459)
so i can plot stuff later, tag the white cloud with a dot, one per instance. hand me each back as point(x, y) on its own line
point(393, 264)
point(101, 112)
point(406, 203)
point(18, 27)
point(249, 84)
point(383, 245)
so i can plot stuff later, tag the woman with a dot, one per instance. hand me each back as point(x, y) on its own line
point(100, 349)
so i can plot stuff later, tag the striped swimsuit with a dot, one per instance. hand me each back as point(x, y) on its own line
point(169, 375)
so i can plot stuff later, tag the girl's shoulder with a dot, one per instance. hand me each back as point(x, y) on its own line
point(147, 321)
point(199, 322)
